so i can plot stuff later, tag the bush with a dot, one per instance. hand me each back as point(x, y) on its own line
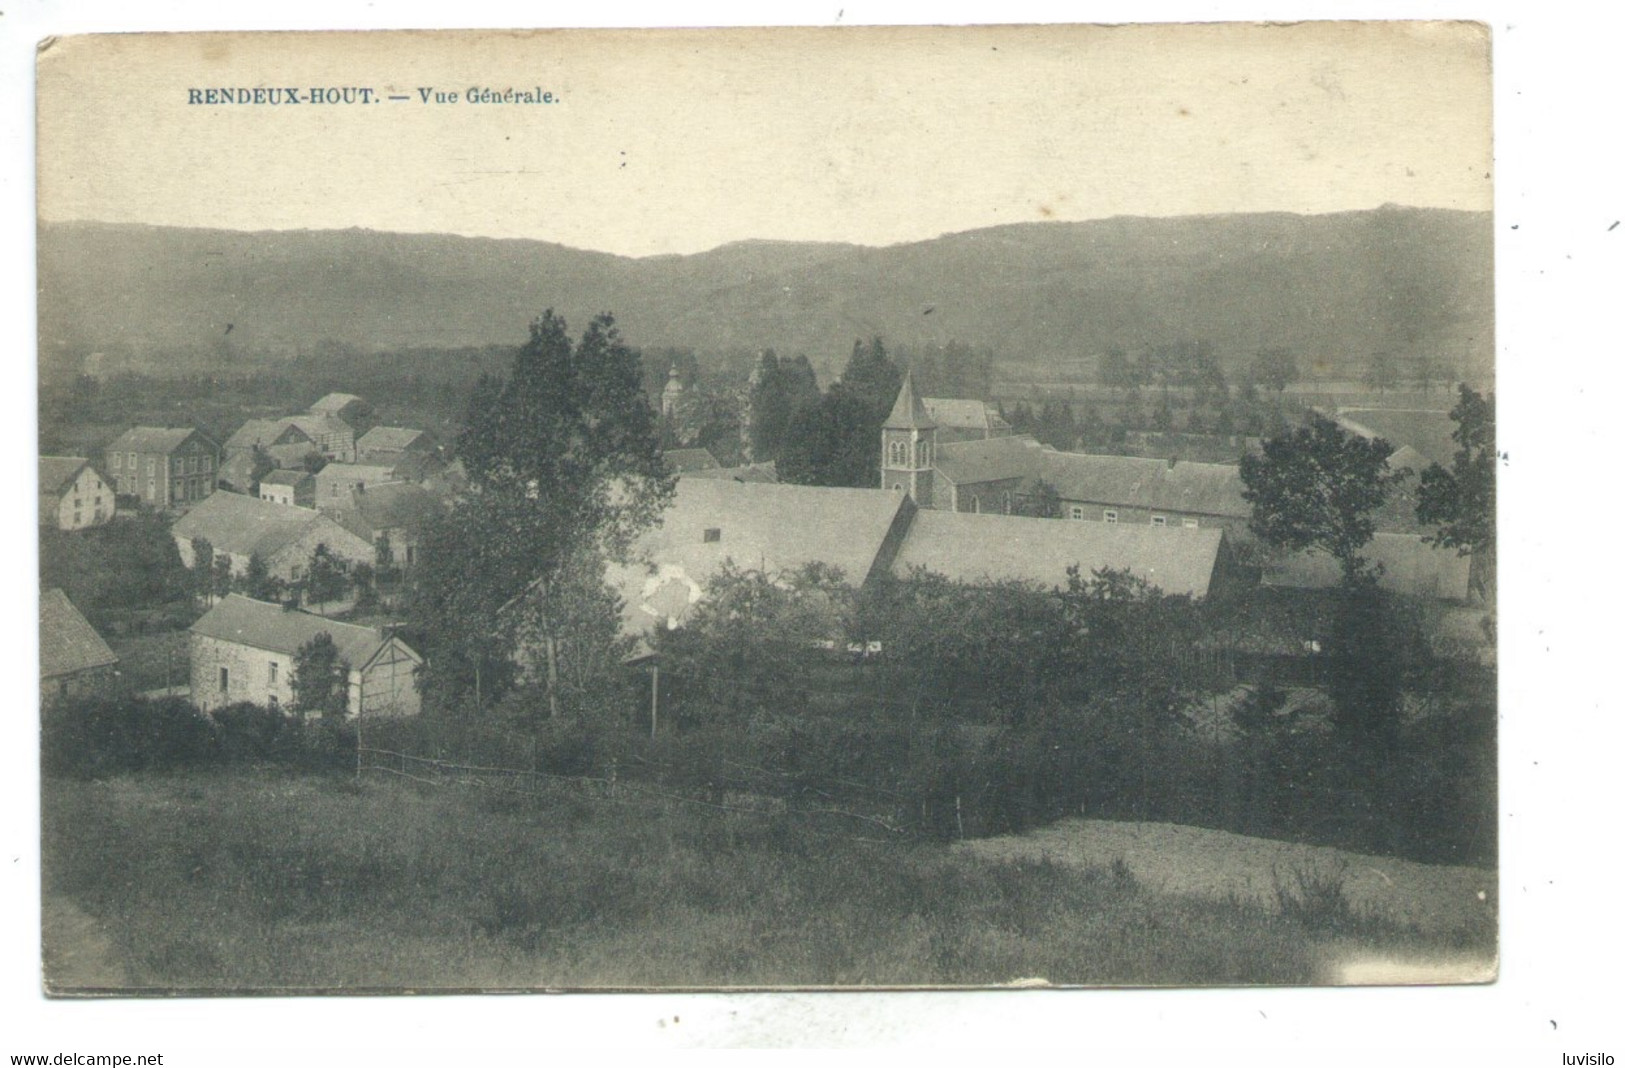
point(101, 736)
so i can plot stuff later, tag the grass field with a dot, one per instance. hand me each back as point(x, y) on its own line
point(262, 882)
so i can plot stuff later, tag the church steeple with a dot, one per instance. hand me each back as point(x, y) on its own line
point(908, 446)
point(909, 412)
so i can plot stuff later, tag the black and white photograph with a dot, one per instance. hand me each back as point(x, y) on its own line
point(841, 508)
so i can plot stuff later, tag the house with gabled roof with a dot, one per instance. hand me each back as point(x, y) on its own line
point(283, 536)
point(74, 660)
point(294, 486)
point(990, 549)
point(73, 495)
point(245, 650)
point(166, 467)
point(965, 420)
point(390, 441)
point(770, 527)
point(393, 517)
point(331, 436)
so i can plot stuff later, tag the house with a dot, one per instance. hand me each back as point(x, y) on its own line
point(965, 420)
point(1409, 565)
point(73, 495)
point(1001, 473)
point(293, 486)
point(261, 442)
point(281, 535)
point(683, 461)
point(393, 442)
point(244, 650)
point(280, 439)
point(988, 549)
point(393, 518)
point(74, 660)
point(331, 436)
point(166, 467)
point(770, 527)
point(347, 407)
point(335, 482)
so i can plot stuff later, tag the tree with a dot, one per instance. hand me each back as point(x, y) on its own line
point(1382, 374)
point(1274, 368)
point(202, 568)
point(326, 579)
point(837, 442)
point(1117, 372)
point(321, 679)
point(1044, 502)
point(221, 579)
point(1315, 487)
point(258, 582)
point(565, 471)
point(1460, 501)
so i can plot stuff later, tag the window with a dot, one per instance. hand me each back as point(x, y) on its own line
point(132, 463)
point(1188, 524)
point(976, 504)
point(275, 704)
point(207, 463)
point(225, 680)
point(1109, 516)
point(1076, 512)
point(1159, 520)
point(925, 454)
point(118, 461)
point(152, 465)
point(1007, 502)
point(898, 454)
point(272, 666)
point(897, 485)
point(713, 534)
point(191, 464)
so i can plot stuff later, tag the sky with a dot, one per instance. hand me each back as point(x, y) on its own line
point(673, 142)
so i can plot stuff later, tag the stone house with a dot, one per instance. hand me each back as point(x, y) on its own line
point(245, 650)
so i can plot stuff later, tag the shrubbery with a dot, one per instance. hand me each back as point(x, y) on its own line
point(95, 737)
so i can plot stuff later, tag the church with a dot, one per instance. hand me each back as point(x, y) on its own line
point(1002, 473)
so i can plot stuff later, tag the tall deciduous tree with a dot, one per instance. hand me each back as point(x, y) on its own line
point(837, 442)
point(1315, 487)
point(321, 679)
point(1460, 501)
point(564, 471)
point(326, 579)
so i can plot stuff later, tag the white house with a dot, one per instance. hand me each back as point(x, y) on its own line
point(244, 650)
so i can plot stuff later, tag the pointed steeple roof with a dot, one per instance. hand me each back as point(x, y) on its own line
point(909, 413)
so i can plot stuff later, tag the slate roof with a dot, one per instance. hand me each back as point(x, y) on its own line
point(908, 413)
point(334, 403)
point(391, 506)
point(767, 472)
point(56, 472)
point(242, 525)
point(1428, 432)
point(1137, 482)
point(370, 474)
point(965, 414)
point(392, 439)
point(772, 527)
point(263, 625)
point(315, 425)
point(982, 549)
point(285, 476)
point(152, 439)
point(686, 460)
point(68, 644)
point(965, 463)
point(1410, 566)
point(265, 433)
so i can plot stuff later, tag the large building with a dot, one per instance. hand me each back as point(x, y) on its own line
point(73, 495)
point(166, 467)
point(1005, 474)
point(283, 536)
point(245, 650)
point(863, 534)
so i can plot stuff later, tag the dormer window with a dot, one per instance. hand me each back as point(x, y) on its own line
point(713, 534)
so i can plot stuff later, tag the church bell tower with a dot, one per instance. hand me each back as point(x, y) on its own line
point(908, 446)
